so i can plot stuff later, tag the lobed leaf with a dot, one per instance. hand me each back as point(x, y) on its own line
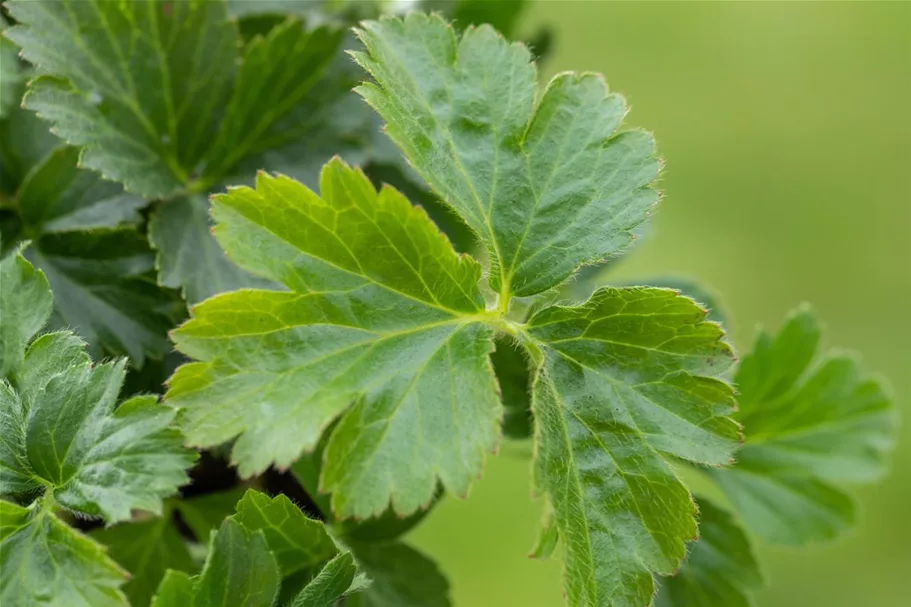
point(45, 562)
point(531, 178)
point(812, 425)
point(380, 313)
point(626, 382)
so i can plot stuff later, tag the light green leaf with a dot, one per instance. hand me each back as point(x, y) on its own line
point(381, 313)
point(626, 381)
point(58, 196)
point(400, 577)
point(296, 541)
point(188, 256)
point(240, 570)
point(62, 430)
point(105, 289)
point(330, 584)
point(146, 549)
point(546, 185)
point(176, 590)
point(720, 570)
point(25, 305)
point(812, 424)
point(139, 85)
point(43, 561)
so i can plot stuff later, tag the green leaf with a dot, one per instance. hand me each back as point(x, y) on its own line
point(626, 381)
point(146, 549)
point(277, 71)
point(813, 423)
point(58, 196)
point(381, 312)
point(10, 73)
point(400, 577)
point(25, 305)
point(296, 541)
point(547, 186)
point(239, 572)
point(330, 584)
point(720, 569)
point(510, 362)
point(105, 289)
point(204, 513)
point(45, 562)
point(139, 85)
point(154, 91)
point(176, 590)
point(61, 430)
point(188, 256)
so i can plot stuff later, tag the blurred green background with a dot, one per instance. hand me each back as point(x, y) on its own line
point(786, 130)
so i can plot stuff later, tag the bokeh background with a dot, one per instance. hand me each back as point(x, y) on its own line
point(786, 130)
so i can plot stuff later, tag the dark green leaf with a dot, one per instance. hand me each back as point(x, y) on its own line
point(188, 256)
point(203, 514)
point(105, 289)
point(720, 570)
point(10, 74)
point(146, 549)
point(510, 363)
point(139, 85)
point(57, 196)
point(400, 577)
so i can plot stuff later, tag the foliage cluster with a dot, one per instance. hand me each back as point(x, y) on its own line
point(180, 206)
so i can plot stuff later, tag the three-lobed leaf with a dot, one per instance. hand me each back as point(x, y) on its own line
point(625, 383)
point(530, 177)
point(62, 429)
point(380, 313)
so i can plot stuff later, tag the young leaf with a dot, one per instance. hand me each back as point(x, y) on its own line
point(626, 382)
point(296, 541)
point(146, 549)
point(240, 570)
point(62, 432)
point(720, 570)
point(43, 561)
point(381, 312)
point(547, 186)
point(333, 581)
point(811, 426)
